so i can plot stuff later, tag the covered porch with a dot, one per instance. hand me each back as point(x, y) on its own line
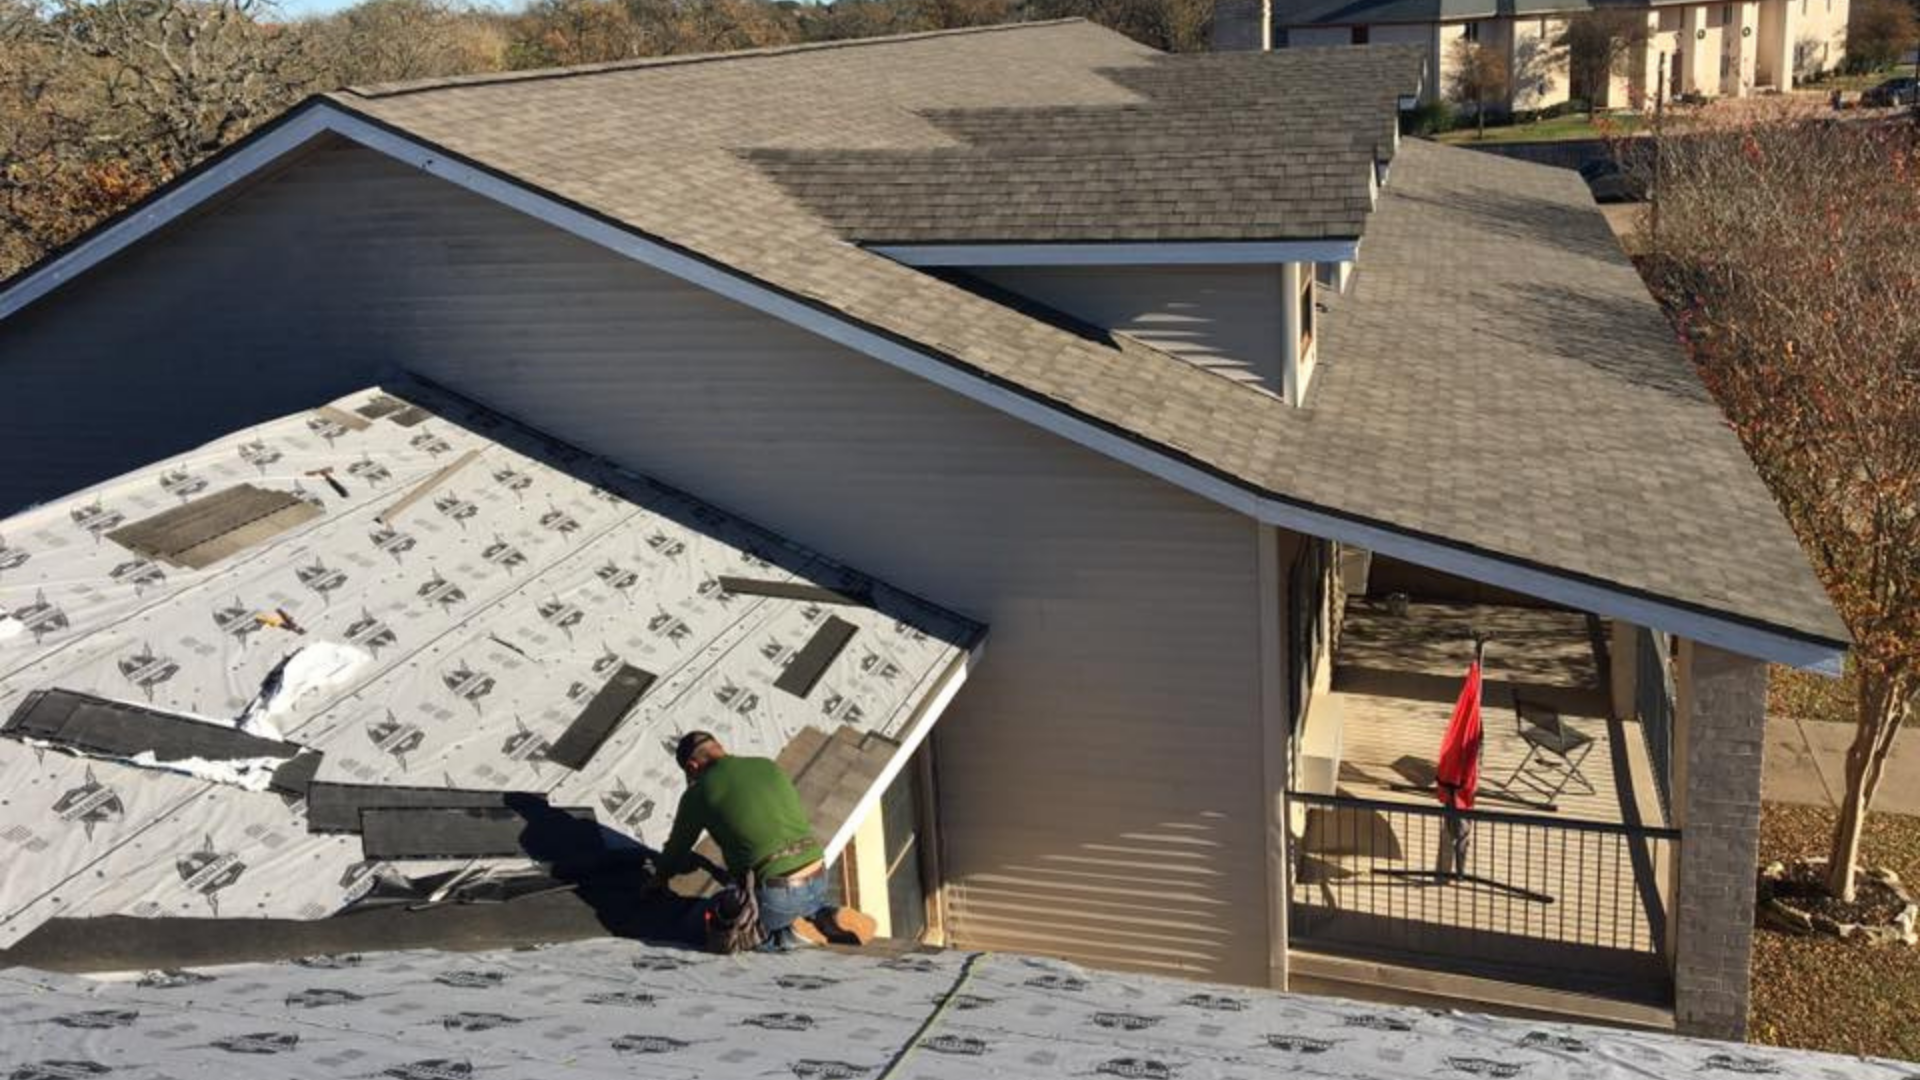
point(1568, 868)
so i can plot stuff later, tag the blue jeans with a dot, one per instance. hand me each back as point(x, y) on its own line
point(783, 905)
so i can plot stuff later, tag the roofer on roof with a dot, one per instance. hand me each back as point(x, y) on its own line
point(754, 814)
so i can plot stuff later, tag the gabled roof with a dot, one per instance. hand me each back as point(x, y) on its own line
point(1222, 147)
point(655, 160)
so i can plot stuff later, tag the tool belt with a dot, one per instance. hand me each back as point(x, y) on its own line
point(787, 851)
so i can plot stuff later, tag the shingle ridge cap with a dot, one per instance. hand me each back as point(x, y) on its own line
point(376, 91)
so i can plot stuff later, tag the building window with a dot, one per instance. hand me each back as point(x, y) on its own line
point(1359, 35)
point(1471, 31)
point(1726, 15)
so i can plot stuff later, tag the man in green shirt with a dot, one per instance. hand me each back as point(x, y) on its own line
point(755, 816)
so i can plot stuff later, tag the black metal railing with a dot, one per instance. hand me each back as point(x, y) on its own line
point(1534, 891)
point(1653, 700)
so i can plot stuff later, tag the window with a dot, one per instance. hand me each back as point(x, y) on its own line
point(1726, 15)
point(1306, 315)
point(1471, 31)
point(1359, 35)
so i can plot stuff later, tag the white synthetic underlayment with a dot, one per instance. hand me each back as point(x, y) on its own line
point(615, 1008)
point(310, 670)
point(247, 774)
point(491, 610)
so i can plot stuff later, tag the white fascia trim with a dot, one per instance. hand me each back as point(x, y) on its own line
point(190, 193)
point(324, 116)
point(1193, 253)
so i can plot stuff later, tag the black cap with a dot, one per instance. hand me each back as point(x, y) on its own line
point(690, 742)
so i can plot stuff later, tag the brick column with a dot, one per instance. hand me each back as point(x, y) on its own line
point(1242, 26)
point(1720, 841)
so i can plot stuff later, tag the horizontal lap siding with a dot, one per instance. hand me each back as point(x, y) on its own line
point(1223, 318)
point(192, 335)
point(1100, 773)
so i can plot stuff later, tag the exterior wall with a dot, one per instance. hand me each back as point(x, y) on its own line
point(1223, 318)
point(1723, 717)
point(1100, 776)
point(1818, 33)
point(1540, 75)
point(1773, 61)
point(1431, 36)
point(1242, 25)
point(1311, 36)
point(109, 376)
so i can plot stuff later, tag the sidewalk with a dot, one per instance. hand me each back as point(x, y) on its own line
point(1806, 763)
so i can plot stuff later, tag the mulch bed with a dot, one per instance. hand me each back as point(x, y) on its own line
point(1821, 993)
point(1805, 887)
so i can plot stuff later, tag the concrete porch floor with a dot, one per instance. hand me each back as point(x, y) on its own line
point(1395, 680)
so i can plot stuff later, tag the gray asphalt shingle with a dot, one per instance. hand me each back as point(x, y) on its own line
point(1499, 382)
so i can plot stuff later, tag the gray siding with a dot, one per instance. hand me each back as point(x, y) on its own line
point(1226, 319)
point(219, 322)
point(1100, 775)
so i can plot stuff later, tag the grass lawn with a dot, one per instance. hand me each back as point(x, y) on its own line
point(1807, 696)
point(1821, 993)
point(1570, 126)
point(1853, 84)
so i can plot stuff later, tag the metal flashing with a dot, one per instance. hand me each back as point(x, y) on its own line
point(795, 590)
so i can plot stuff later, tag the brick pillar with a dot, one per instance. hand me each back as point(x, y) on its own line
point(1720, 841)
point(1242, 25)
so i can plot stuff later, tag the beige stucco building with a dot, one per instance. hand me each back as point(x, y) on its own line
point(1710, 49)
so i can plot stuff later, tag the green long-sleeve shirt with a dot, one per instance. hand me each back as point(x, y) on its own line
point(752, 810)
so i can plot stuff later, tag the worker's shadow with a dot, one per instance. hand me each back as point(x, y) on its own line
point(608, 872)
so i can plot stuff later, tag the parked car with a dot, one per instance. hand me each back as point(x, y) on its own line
point(1904, 90)
point(1613, 182)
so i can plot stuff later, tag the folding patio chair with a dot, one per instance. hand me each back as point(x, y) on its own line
point(1555, 752)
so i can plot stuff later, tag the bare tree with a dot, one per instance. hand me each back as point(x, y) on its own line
point(182, 78)
point(1600, 44)
point(1478, 76)
point(395, 40)
point(1789, 253)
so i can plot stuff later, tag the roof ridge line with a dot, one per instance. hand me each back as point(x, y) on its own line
point(377, 91)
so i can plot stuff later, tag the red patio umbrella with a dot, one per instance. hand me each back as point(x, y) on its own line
point(1458, 774)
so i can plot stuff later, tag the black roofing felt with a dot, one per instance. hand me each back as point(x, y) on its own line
point(623, 690)
point(336, 808)
point(118, 729)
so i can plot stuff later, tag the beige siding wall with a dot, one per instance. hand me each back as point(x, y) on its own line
point(1222, 318)
point(1101, 774)
point(1539, 68)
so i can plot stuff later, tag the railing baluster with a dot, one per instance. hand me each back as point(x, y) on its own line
point(1366, 850)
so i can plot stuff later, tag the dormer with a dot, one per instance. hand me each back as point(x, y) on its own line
point(1243, 311)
